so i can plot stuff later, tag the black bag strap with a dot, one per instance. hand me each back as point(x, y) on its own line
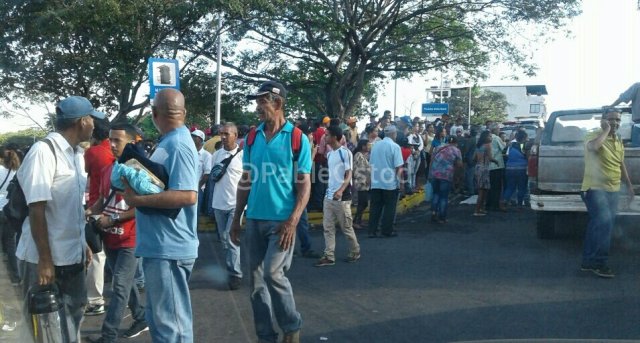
point(6, 178)
point(111, 195)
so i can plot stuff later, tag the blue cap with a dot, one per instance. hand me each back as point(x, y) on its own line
point(76, 107)
point(406, 120)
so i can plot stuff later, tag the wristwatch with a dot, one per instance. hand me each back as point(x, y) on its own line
point(115, 218)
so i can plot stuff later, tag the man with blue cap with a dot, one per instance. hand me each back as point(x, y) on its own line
point(52, 177)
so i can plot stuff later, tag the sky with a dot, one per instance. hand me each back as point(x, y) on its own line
point(590, 68)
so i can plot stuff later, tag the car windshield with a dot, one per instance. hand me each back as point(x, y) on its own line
point(571, 129)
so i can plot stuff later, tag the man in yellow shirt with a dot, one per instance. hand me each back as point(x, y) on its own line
point(603, 170)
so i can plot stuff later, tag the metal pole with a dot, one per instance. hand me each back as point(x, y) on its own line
point(441, 99)
point(395, 95)
point(469, 117)
point(219, 72)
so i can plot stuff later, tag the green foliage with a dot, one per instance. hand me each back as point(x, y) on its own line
point(485, 105)
point(330, 54)
point(22, 137)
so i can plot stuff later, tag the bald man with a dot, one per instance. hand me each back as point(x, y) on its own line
point(168, 245)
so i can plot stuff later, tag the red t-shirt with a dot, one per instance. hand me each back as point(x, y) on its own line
point(317, 136)
point(406, 152)
point(96, 158)
point(123, 235)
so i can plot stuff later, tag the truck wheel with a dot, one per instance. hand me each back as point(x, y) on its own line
point(545, 225)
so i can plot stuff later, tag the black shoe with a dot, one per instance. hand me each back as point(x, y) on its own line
point(373, 235)
point(310, 254)
point(234, 283)
point(389, 235)
point(136, 329)
point(604, 272)
point(95, 339)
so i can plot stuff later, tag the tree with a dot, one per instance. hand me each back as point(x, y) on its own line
point(485, 105)
point(23, 137)
point(331, 53)
point(99, 49)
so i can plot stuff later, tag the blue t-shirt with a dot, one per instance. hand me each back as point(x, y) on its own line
point(272, 195)
point(159, 236)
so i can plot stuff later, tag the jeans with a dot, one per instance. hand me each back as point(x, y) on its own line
point(338, 211)
point(270, 288)
point(168, 310)
point(9, 234)
point(469, 178)
point(440, 199)
point(72, 287)
point(515, 179)
point(602, 207)
point(224, 218)
point(139, 278)
point(123, 264)
point(383, 206)
point(95, 279)
point(302, 231)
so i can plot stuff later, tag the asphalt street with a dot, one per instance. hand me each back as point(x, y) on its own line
point(474, 278)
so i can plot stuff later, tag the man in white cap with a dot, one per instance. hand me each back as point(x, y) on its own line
point(53, 180)
point(205, 163)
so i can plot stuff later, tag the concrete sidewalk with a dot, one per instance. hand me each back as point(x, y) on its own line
point(12, 328)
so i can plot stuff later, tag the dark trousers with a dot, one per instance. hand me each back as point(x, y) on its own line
point(493, 199)
point(302, 231)
point(318, 186)
point(363, 203)
point(383, 205)
point(10, 235)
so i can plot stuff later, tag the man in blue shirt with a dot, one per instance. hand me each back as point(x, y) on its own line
point(169, 245)
point(275, 188)
point(386, 172)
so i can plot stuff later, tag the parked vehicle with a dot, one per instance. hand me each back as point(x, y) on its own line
point(556, 167)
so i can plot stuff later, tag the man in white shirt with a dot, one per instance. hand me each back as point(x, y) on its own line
point(205, 163)
point(386, 173)
point(337, 202)
point(224, 197)
point(52, 244)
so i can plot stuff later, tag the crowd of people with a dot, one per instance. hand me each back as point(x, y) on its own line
point(270, 174)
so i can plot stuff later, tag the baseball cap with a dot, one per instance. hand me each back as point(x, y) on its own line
point(76, 107)
point(198, 133)
point(326, 120)
point(269, 87)
point(390, 129)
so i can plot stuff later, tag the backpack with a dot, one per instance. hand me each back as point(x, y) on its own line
point(16, 208)
point(296, 141)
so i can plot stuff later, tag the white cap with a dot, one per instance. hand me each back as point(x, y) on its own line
point(198, 133)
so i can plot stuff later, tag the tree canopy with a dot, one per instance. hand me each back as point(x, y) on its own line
point(485, 105)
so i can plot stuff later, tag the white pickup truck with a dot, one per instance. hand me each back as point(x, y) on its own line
point(556, 167)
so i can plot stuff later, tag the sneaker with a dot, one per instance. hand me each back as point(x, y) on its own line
point(95, 339)
point(325, 261)
point(353, 257)
point(291, 337)
point(604, 272)
point(94, 310)
point(234, 283)
point(136, 329)
point(587, 268)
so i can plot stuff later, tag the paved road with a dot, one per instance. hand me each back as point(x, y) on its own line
point(471, 279)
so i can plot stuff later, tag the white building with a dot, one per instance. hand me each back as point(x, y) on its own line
point(524, 101)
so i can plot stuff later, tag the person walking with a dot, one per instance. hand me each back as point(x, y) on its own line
point(483, 158)
point(604, 170)
point(169, 244)
point(446, 158)
point(337, 203)
point(275, 187)
point(52, 177)
point(229, 163)
point(117, 219)
point(386, 177)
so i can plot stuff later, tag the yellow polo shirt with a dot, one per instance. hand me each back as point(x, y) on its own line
point(602, 167)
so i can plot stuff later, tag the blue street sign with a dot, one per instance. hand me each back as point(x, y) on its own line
point(435, 109)
point(163, 73)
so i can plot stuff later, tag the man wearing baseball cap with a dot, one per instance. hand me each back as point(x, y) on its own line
point(205, 163)
point(52, 177)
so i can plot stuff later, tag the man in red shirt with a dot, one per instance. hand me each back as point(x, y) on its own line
point(117, 220)
point(96, 158)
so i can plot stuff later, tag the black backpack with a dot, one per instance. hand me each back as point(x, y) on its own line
point(16, 208)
